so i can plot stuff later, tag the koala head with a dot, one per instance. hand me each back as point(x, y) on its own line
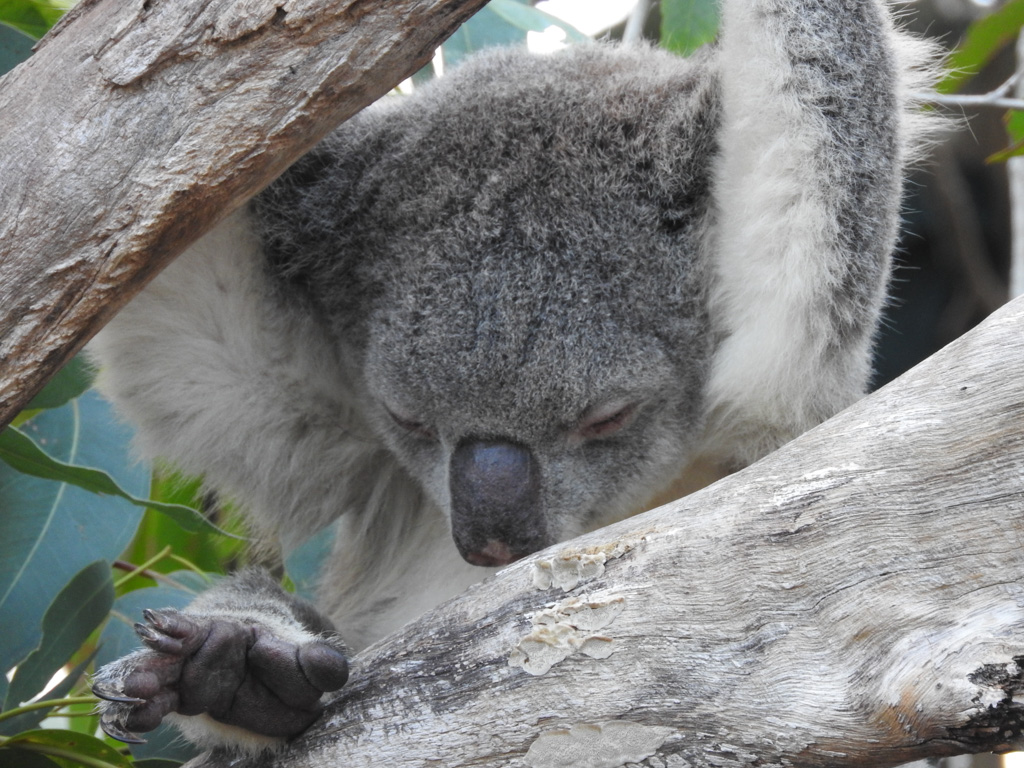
point(535, 429)
point(517, 286)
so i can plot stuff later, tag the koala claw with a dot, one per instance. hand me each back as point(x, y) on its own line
point(112, 727)
point(107, 693)
point(238, 673)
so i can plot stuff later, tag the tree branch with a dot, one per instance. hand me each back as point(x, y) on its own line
point(1015, 178)
point(855, 599)
point(138, 124)
point(973, 100)
point(1005, 96)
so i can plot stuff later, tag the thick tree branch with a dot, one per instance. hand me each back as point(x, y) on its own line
point(855, 599)
point(140, 123)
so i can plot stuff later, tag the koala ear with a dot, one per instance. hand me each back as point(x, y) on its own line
point(495, 502)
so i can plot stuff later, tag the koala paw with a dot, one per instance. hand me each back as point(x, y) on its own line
point(238, 673)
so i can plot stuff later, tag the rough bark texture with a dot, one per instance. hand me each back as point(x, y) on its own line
point(855, 599)
point(138, 124)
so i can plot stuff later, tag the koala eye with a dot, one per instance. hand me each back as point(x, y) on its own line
point(416, 428)
point(606, 421)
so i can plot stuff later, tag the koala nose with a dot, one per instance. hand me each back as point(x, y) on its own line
point(495, 498)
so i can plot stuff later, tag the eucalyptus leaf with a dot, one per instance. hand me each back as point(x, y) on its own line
point(15, 47)
point(984, 39)
point(1014, 123)
point(33, 17)
point(21, 759)
point(164, 746)
point(33, 718)
point(501, 22)
point(24, 16)
point(686, 25)
point(49, 531)
point(68, 383)
point(206, 552)
point(526, 18)
point(60, 743)
point(485, 29)
point(78, 609)
point(305, 564)
point(21, 453)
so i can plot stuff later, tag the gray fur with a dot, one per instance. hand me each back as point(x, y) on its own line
point(515, 253)
point(500, 277)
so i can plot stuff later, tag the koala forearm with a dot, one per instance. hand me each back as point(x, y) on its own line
point(222, 379)
point(816, 134)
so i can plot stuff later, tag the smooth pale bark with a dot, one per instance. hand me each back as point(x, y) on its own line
point(855, 599)
point(138, 124)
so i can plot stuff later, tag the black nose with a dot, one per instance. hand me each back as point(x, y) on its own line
point(495, 495)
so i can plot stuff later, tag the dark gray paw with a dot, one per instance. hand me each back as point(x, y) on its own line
point(238, 673)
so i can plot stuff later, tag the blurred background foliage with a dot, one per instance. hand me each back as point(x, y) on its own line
point(89, 536)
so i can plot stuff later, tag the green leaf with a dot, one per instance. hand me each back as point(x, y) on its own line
point(49, 531)
point(20, 759)
point(70, 382)
point(984, 39)
point(501, 22)
point(526, 18)
point(82, 718)
point(305, 564)
point(31, 719)
point(33, 17)
point(18, 450)
point(208, 552)
point(68, 745)
point(686, 25)
point(1015, 126)
point(164, 745)
point(80, 608)
point(1015, 130)
point(15, 47)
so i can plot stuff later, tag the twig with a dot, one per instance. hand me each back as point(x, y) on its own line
point(634, 31)
point(1015, 172)
point(991, 99)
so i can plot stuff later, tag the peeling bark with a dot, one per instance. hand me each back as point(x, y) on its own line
point(855, 599)
point(138, 124)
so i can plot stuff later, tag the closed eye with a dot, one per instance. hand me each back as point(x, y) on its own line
point(607, 421)
point(413, 427)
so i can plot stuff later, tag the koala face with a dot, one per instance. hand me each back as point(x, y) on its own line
point(510, 490)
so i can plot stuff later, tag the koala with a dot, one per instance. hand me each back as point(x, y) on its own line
point(489, 317)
